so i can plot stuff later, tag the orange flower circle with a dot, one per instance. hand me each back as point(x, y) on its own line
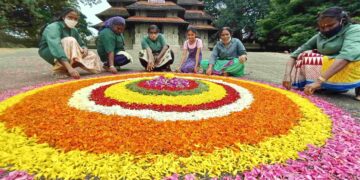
point(47, 116)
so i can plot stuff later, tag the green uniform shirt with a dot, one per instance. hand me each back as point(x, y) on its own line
point(155, 46)
point(108, 42)
point(50, 47)
point(344, 45)
point(233, 50)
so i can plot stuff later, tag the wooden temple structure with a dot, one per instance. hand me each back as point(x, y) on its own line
point(172, 17)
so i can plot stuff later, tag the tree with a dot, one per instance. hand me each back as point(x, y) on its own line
point(290, 23)
point(239, 15)
point(212, 7)
point(23, 19)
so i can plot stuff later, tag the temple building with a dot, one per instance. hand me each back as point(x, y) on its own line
point(172, 17)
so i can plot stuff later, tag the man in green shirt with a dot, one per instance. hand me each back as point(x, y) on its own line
point(333, 61)
point(62, 47)
point(156, 54)
point(111, 46)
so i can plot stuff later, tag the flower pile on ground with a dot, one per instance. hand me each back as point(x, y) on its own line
point(154, 125)
point(15, 175)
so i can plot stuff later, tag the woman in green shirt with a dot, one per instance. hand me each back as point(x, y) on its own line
point(111, 46)
point(228, 56)
point(330, 59)
point(156, 54)
point(62, 47)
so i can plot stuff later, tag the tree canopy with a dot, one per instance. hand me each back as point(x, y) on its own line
point(290, 23)
point(275, 23)
point(23, 19)
point(240, 15)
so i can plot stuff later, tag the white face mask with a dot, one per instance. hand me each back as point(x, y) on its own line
point(70, 23)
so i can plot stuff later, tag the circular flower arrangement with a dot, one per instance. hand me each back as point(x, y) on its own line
point(154, 125)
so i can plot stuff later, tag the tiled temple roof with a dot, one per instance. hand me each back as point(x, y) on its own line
point(190, 2)
point(144, 5)
point(175, 20)
point(203, 27)
point(114, 11)
point(197, 14)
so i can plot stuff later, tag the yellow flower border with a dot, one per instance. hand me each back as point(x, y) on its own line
point(121, 93)
point(42, 160)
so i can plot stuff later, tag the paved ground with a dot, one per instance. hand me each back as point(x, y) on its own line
point(23, 67)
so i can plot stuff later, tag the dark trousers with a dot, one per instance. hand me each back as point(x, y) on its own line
point(119, 60)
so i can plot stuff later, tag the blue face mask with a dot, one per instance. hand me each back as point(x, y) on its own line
point(332, 32)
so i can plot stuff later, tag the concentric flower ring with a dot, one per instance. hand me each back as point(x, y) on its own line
point(73, 141)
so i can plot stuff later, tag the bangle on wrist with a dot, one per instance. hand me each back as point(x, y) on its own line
point(112, 66)
point(321, 79)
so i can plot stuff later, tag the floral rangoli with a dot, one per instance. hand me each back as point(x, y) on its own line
point(156, 125)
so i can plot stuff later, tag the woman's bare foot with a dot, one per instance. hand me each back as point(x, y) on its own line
point(112, 69)
point(73, 73)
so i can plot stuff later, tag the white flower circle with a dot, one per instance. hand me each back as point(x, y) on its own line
point(81, 100)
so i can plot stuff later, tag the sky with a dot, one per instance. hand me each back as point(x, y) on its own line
point(90, 11)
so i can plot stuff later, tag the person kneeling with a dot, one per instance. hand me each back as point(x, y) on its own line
point(156, 54)
point(330, 60)
point(62, 47)
point(111, 46)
